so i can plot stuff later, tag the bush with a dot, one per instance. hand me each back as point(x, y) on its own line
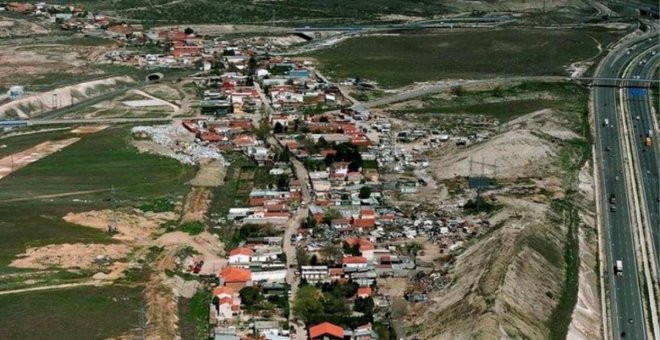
point(158, 205)
point(193, 228)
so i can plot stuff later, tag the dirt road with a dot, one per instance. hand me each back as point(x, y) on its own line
point(53, 287)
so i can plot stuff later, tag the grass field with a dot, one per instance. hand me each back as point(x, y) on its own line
point(399, 60)
point(503, 104)
point(78, 313)
point(96, 162)
point(99, 161)
point(13, 144)
point(155, 12)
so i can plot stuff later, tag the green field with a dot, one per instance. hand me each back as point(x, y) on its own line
point(505, 103)
point(400, 60)
point(502, 104)
point(13, 144)
point(77, 313)
point(99, 161)
point(96, 162)
point(154, 12)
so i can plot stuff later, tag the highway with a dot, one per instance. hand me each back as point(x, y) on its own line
point(625, 296)
point(640, 117)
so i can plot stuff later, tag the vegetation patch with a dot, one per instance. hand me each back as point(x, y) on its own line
point(398, 60)
point(193, 316)
point(76, 313)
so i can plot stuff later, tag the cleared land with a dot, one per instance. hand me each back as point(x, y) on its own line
point(78, 313)
point(398, 60)
point(22, 159)
point(94, 164)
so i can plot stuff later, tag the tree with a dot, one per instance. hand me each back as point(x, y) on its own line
point(285, 155)
point(188, 31)
point(308, 303)
point(282, 182)
point(365, 192)
point(457, 90)
point(365, 306)
point(279, 128)
point(331, 253)
point(353, 250)
point(302, 257)
point(263, 131)
point(331, 214)
point(251, 297)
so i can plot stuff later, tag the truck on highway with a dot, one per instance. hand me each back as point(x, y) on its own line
point(647, 141)
point(612, 199)
point(606, 122)
point(618, 268)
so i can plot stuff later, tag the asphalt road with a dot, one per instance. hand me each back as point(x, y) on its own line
point(626, 299)
point(639, 107)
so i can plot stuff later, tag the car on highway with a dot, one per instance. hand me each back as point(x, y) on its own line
point(608, 148)
point(613, 208)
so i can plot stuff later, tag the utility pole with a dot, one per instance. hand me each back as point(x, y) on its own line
point(112, 226)
point(480, 182)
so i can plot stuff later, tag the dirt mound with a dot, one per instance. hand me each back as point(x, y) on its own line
point(512, 152)
point(134, 226)
point(205, 244)
point(40, 102)
point(504, 283)
point(211, 174)
point(196, 205)
point(78, 255)
point(525, 147)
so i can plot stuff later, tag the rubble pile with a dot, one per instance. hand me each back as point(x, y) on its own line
point(186, 153)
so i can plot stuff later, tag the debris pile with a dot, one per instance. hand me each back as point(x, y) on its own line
point(175, 137)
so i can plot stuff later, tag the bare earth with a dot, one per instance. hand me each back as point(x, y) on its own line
point(196, 205)
point(211, 174)
point(21, 159)
point(131, 227)
point(89, 129)
point(78, 255)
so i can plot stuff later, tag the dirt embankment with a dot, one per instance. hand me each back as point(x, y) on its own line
point(508, 282)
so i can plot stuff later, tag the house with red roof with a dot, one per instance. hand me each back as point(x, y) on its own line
point(235, 278)
point(240, 256)
point(354, 262)
point(326, 331)
point(226, 303)
point(364, 292)
point(363, 223)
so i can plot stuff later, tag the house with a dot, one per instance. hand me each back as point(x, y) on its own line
point(265, 327)
point(236, 278)
point(314, 273)
point(240, 256)
point(365, 332)
point(336, 274)
point(226, 302)
point(274, 275)
point(326, 331)
point(354, 262)
point(364, 292)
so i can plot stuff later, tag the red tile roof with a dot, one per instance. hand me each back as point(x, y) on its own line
point(326, 328)
point(364, 292)
point(354, 259)
point(223, 290)
point(233, 274)
point(241, 251)
point(364, 223)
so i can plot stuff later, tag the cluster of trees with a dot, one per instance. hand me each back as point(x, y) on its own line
point(253, 299)
point(245, 231)
point(329, 302)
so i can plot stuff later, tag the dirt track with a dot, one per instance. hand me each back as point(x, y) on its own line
point(21, 159)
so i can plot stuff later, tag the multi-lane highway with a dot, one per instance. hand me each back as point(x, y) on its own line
point(625, 295)
point(643, 127)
